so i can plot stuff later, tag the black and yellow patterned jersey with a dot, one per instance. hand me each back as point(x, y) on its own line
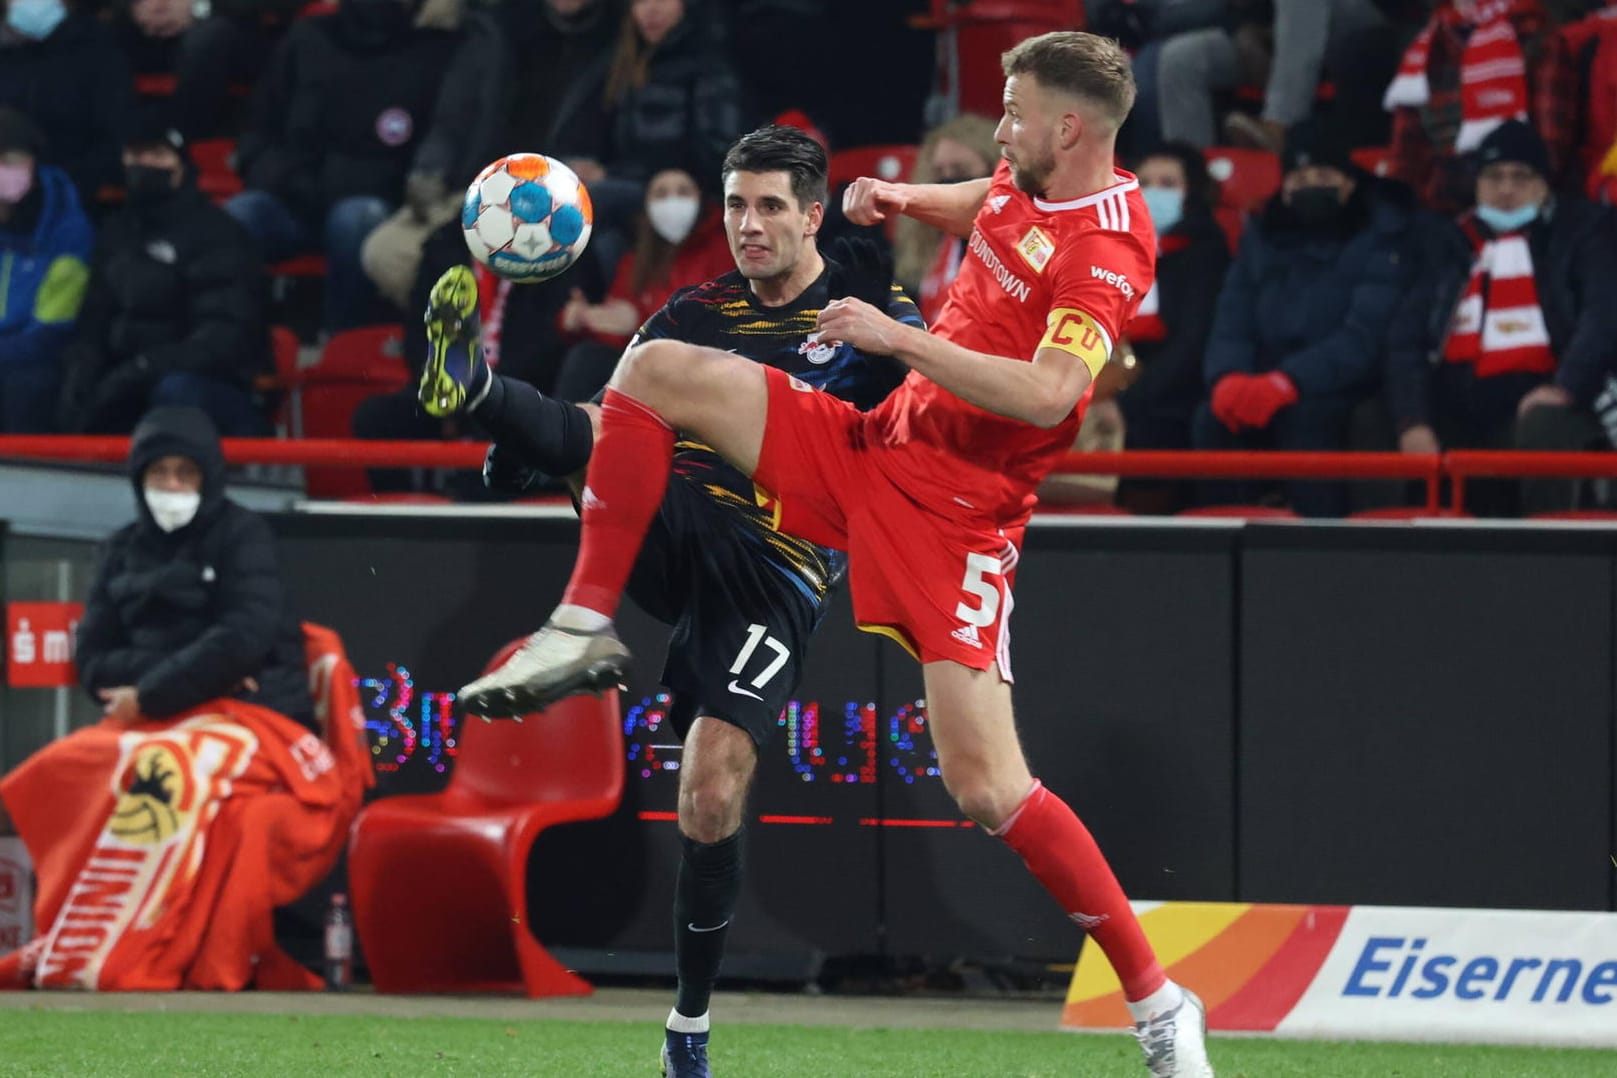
point(724, 313)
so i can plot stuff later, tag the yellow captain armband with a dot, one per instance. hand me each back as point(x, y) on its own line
point(1076, 333)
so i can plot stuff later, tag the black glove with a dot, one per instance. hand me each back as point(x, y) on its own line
point(505, 472)
point(119, 391)
point(863, 270)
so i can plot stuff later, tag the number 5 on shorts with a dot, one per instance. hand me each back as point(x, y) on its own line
point(978, 568)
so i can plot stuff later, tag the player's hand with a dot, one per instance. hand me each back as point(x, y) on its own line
point(121, 703)
point(855, 322)
point(869, 201)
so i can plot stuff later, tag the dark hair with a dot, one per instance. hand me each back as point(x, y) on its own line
point(1089, 66)
point(776, 148)
point(1201, 190)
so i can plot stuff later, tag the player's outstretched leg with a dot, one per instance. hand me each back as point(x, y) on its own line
point(710, 394)
point(983, 768)
point(455, 376)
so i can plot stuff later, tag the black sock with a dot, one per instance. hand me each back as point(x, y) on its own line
point(704, 897)
point(552, 436)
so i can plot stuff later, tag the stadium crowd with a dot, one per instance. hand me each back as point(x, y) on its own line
point(1382, 224)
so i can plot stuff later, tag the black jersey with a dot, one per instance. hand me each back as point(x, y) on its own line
point(724, 313)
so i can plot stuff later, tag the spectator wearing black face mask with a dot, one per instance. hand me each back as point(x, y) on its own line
point(175, 312)
point(1300, 330)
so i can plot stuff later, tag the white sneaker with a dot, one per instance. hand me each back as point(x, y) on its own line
point(551, 664)
point(1175, 1042)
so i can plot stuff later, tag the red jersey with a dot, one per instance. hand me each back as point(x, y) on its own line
point(1036, 274)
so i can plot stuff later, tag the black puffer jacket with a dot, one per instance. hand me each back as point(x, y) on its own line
point(75, 86)
point(685, 116)
point(187, 616)
point(342, 110)
point(179, 286)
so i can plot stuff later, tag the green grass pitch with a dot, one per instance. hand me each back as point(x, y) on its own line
point(108, 1045)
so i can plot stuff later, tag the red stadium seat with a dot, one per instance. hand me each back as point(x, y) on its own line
point(155, 85)
point(301, 266)
point(893, 163)
point(440, 881)
point(1249, 512)
point(216, 177)
point(355, 364)
point(1373, 159)
point(1247, 178)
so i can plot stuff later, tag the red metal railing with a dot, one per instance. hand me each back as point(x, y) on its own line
point(1457, 467)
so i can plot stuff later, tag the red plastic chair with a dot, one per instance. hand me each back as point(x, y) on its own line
point(440, 880)
point(1373, 159)
point(1249, 512)
point(356, 364)
point(216, 176)
point(894, 163)
point(1247, 178)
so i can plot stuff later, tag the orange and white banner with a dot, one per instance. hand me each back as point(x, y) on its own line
point(1376, 972)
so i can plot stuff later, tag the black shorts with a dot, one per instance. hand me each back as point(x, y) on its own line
point(742, 620)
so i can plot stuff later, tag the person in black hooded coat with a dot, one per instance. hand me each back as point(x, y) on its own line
point(188, 605)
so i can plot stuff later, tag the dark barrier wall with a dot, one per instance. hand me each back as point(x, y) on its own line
point(1323, 714)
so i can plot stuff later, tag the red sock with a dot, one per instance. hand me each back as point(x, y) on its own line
point(623, 487)
point(1059, 850)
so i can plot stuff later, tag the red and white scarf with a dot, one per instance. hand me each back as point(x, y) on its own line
point(1499, 326)
point(1493, 73)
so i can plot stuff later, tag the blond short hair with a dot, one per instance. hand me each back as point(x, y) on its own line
point(1088, 66)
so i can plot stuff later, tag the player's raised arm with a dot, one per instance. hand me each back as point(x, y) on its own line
point(950, 207)
point(1043, 392)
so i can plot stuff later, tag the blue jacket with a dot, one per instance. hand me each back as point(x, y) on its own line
point(43, 273)
point(1315, 306)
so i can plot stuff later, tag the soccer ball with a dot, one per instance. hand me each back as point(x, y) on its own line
point(527, 217)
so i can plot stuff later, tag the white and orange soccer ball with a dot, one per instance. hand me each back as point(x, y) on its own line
point(527, 217)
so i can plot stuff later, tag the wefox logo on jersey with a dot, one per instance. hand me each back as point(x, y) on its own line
point(1116, 280)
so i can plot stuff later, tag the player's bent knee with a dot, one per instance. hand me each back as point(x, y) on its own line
point(711, 811)
point(979, 797)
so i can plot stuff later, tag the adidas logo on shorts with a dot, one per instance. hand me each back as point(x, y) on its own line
point(967, 634)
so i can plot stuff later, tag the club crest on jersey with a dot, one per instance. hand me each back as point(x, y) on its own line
point(816, 351)
point(1036, 249)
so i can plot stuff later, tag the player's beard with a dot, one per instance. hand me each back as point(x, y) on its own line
point(1030, 172)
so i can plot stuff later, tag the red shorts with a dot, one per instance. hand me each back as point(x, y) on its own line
point(939, 585)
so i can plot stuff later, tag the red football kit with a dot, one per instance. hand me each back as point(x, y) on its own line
point(929, 493)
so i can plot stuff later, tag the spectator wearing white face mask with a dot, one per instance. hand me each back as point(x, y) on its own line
point(1511, 334)
point(188, 604)
point(679, 241)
